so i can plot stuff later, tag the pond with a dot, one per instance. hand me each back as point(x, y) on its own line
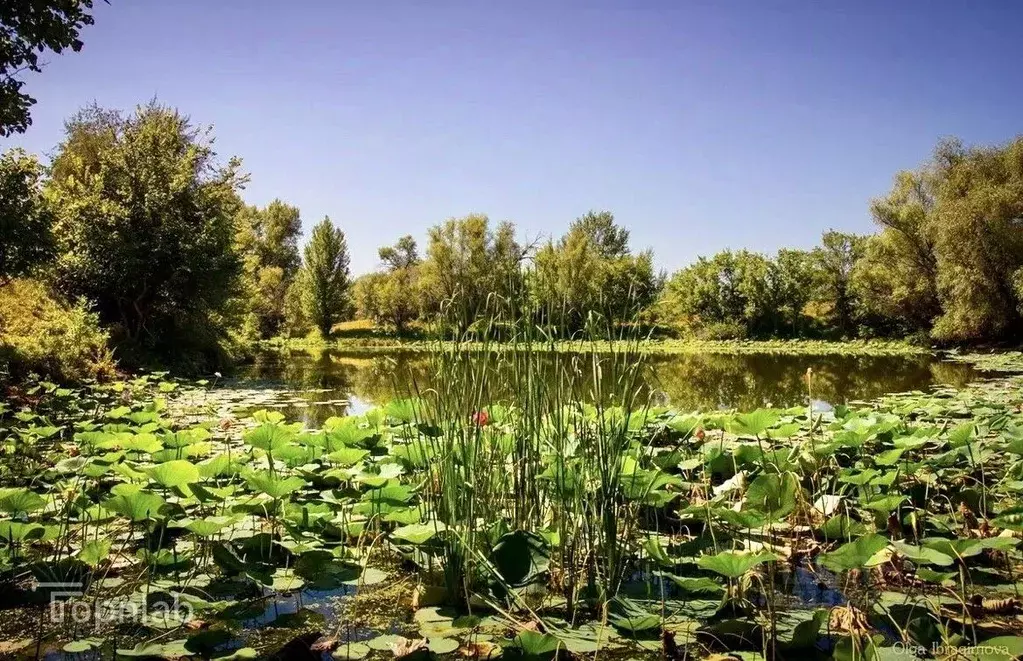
point(334, 383)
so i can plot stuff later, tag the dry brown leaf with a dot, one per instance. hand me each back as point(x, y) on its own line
point(406, 646)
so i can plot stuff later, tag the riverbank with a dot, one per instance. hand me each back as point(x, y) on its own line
point(651, 346)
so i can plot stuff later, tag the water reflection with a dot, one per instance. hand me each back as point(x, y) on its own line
point(686, 382)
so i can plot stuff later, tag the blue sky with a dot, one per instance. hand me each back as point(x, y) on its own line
point(701, 125)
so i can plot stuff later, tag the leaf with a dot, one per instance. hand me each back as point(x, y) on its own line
point(273, 485)
point(270, 437)
point(854, 555)
point(773, 494)
point(83, 645)
point(95, 551)
point(755, 423)
point(350, 651)
point(1000, 648)
point(135, 505)
point(695, 585)
point(520, 557)
point(20, 500)
point(175, 473)
point(534, 645)
point(922, 555)
point(419, 533)
point(733, 564)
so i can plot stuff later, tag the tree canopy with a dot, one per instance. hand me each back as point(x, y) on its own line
point(29, 28)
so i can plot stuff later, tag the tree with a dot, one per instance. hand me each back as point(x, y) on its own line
point(326, 265)
point(29, 28)
point(401, 255)
point(145, 224)
point(25, 219)
point(949, 255)
point(793, 283)
point(977, 232)
point(468, 264)
point(591, 269)
point(834, 260)
point(268, 240)
point(610, 239)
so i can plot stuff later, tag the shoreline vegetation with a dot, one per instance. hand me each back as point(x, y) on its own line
point(385, 344)
point(180, 273)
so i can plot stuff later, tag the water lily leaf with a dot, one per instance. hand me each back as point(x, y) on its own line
point(273, 485)
point(773, 494)
point(95, 551)
point(350, 651)
point(83, 645)
point(270, 437)
point(1000, 648)
point(171, 650)
point(696, 585)
point(855, 554)
point(419, 533)
point(135, 505)
point(922, 555)
point(734, 564)
point(755, 423)
point(17, 531)
point(20, 500)
point(347, 456)
point(535, 646)
point(961, 435)
point(175, 473)
point(520, 557)
point(443, 645)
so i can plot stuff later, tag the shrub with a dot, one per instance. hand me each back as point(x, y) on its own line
point(40, 332)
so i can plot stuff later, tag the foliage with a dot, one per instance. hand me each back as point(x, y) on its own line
point(590, 269)
point(834, 260)
point(25, 218)
point(29, 28)
point(950, 250)
point(39, 332)
point(145, 226)
point(610, 523)
point(327, 285)
point(468, 267)
point(267, 239)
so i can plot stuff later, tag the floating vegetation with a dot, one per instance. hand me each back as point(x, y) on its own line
point(156, 519)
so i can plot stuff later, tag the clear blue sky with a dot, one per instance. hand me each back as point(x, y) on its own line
point(702, 125)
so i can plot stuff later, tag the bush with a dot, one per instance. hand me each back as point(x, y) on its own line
point(42, 333)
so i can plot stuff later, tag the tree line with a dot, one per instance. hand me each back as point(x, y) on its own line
point(137, 217)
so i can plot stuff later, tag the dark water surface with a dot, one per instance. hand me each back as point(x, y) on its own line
point(336, 382)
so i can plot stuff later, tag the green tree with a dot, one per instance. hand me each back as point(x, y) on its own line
point(610, 239)
point(591, 269)
point(29, 28)
point(468, 264)
point(834, 261)
point(25, 219)
point(403, 254)
point(978, 241)
point(268, 240)
point(793, 284)
point(896, 278)
point(145, 225)
point(296, 321)
point(948, 256)
point(327, 293)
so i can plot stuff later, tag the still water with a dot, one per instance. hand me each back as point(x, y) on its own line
point(334, 383)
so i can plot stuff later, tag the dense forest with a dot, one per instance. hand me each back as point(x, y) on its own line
point(132, 243)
